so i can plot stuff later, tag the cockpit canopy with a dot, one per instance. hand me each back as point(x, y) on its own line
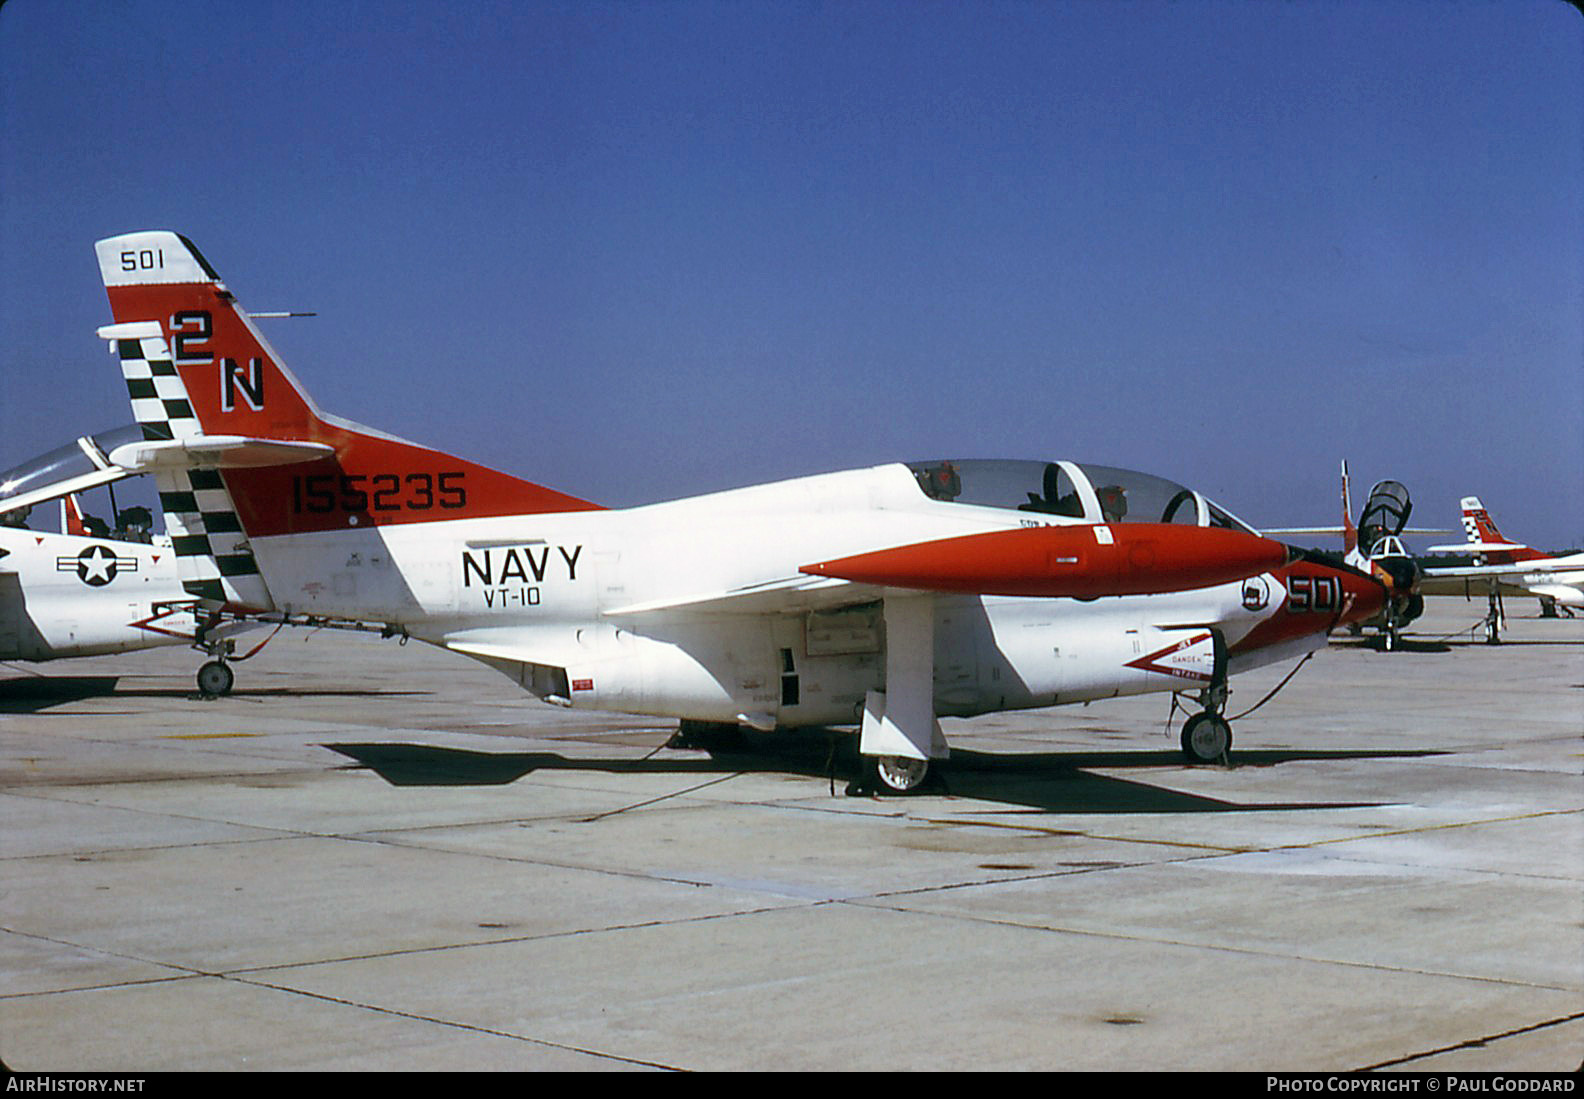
point(1385, 515)
point(1076, 491)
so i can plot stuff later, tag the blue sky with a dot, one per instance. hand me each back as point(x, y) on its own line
point(643, 250)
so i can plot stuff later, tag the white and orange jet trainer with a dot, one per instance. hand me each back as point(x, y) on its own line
point(77, 593)
point(65, 595)
point(883, 597)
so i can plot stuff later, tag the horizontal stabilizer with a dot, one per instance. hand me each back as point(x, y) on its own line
point(216, 452)
point(197, 452)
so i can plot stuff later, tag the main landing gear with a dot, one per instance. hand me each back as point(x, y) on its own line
point(1207, 736)
point(889, 775)
point(876, 774)
point(1495, 616)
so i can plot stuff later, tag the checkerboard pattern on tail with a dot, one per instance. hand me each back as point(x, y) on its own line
point(212, 554)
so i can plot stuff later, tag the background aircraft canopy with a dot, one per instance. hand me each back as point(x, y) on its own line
point(66, 462)
point(1079, 491)
point(1385, 514)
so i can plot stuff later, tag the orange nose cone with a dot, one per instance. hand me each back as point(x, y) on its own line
point(1081, 560)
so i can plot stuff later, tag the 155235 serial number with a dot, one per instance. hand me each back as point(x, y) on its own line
point(320, 493)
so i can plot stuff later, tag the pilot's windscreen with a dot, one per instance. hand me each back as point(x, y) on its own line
point(1220, 517)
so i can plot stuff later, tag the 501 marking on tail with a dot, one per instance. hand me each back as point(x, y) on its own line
point(143, 259)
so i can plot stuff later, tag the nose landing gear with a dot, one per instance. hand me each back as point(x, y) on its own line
point(215, 679)
point(1207, 736)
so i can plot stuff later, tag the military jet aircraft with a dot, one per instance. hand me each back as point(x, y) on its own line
point(1501, 566)
point(883, 597)
point(76, 594)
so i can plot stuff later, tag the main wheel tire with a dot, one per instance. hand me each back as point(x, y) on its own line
point(215, 679)
point(1206, 738)
point(708, 736)
point(898, 774)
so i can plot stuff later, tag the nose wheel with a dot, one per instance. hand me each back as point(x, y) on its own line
point(215, 679)
point(1206, 738)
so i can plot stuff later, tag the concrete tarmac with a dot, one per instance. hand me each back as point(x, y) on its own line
point(374, 856)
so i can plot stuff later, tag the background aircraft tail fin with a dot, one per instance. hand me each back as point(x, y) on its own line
point(236, 385)
point(1349, 531)
point(1485, 539)
point(72, 521)
point(1477, 523)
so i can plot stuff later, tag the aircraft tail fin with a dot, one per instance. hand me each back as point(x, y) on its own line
point(213, 559)
point(1485, 539)
point(1477, 523)
point(1349, 531)
point(72, 521)
point(236, 385)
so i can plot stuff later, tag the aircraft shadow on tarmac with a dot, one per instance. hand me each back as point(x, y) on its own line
point(31, 694)
point(1033, 781)
point(1403, 645)
point(1447, 644)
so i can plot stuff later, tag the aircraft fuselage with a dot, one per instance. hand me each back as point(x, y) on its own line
point(657, 609)
point(62, 595)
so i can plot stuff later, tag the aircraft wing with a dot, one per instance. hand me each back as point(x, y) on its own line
point(1080, 560)
point(1303, 530)
point(1343, 530)
point(1516, 570)
point(1084, 560)
point(789, 594)
point(1477, 547)
point(1553, 578)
